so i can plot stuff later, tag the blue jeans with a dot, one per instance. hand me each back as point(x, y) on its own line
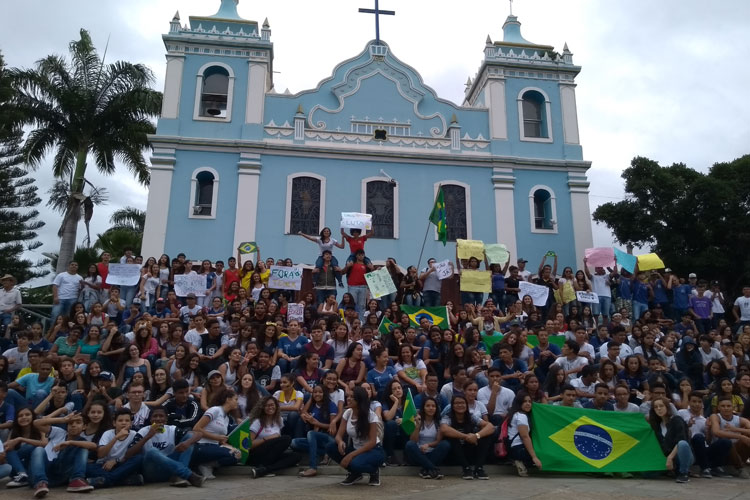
point(430, 460)
point(638, 309)
point(118, 474)
point(5, 319)
point(18, 456)
point(211, 452)
point(315, 444)
point(684, 457)
point(476, 298)
point(128, 294)
point(365, 463)
point(18, 400)
point(158, 467)
point(70, 464)
point(359, 292)
point(62, 307)
point(604, 306)
point(430, 298)
point(413, 299)
point(385, 300)
point(322, 295)
point(394, 437)
point(5, 470)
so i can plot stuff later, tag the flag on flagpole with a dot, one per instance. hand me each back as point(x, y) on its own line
point(240, 439)
point(577, 440)
point(410, 412)
point(438, 217)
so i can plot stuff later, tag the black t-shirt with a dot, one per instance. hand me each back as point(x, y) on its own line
point(263, 377)
point(511, 283)
point(210, 344)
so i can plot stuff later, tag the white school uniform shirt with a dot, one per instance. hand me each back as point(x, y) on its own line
point(162, 441)
point(118, 449)
point(503, 399)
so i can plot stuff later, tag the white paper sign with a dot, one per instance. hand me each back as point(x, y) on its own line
point(380, 283)
point(443, 269)
point(356, 220)
point(285, 278)
point(295, 311)
point(190, 283)
point(538, 293)
point(124, 274)
point(589, 297)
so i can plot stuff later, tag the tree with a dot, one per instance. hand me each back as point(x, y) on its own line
point(116, 240)
point(696, 222)
point(81, 110)
point(128, 218)
point(18, 196)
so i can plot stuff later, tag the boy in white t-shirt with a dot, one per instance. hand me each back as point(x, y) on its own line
point(112, 468)
point(570, 361)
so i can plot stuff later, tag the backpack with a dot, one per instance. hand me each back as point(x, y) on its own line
point(502, 446)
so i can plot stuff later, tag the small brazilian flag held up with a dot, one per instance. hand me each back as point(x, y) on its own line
point(439, 218)
point(248, 247)
point(386, 326)
point(407, 417)
point(577, 440)
point(438, 316)
point(240, 439)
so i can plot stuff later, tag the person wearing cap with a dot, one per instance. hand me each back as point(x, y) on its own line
point(10, 299)
point(717, 303)
point(692, 282)
point(522, 272)
point(700, 308)
point(190, 310)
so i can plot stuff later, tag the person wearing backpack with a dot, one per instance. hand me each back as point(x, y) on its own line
point(519, 435)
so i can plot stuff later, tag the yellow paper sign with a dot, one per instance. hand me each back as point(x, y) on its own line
point(470, 248)
point(476, 281)
point(650, 261)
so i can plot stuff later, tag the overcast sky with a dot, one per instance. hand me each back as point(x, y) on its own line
point(663, 79)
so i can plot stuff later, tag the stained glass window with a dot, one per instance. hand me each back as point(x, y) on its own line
point(380, 204)
point(455, 211)
point(305, 212)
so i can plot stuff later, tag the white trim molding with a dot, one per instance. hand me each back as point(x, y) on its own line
point(194, 191)
point(248, 186)
point(363, 200)
point(198, 91)
point(553, 208)
point(547, 116)
point(467, 192)
point(322, 209)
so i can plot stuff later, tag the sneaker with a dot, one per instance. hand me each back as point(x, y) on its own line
point(79, 486)
point(351, 478)
point(467, 474)
point(436, 474)
point(424, 474)
point(19, 480)
point(706, 473)
point(97, 482)
point(521, 468)
point(682, 478)
point(41, 490)
point(375, 478)
point(206, 471)
point(134, 480)
point(480, 474)
point(257, 472)
point(720, 472)
point(180, 483)
point(196, 480)
point(308, 473)
point(743, 474)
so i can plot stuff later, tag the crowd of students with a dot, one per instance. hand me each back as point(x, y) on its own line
point(135, 384)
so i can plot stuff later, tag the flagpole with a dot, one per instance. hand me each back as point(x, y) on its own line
point(421, 252)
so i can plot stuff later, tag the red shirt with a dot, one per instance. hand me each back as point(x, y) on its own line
point(358, 244)
point(230, 276)
point(357, 275)
point(103, 270)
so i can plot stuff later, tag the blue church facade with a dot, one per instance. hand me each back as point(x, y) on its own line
point(234, 160)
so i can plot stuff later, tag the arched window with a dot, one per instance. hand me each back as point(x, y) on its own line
point(534, 112)
point(213, 93)
point(304, 204)
point(456, 211)
point(381, 201)
point(543, 210)
point(204, 189)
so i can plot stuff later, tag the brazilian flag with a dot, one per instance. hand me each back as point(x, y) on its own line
point(247, 247)
point(240, 439)
point(438, 316)
point(386, 326)
point(577, 440)
point(438, 216)
point(407, 416)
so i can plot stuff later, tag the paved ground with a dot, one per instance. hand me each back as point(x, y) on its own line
point(501, 485)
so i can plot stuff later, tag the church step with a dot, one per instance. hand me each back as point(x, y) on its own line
point(335, 470)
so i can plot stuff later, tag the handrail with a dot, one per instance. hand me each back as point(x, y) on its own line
point(45, 319)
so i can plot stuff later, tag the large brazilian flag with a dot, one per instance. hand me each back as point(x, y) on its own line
point(437, 316)
point(577, 440)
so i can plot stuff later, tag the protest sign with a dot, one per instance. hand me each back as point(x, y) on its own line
point(538, 293)
point(380, 283)
point(470, 248)
point(476, 281)
point(625, 260)
point(497, 253)
point(443, 269)
point(285, 278)
point(356, 220)
point(190, 283)
point(599, 257)
point(650, 261)
point(295, 312)
point(589, 297)
point(124, 274)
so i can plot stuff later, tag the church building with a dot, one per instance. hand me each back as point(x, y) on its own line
point(236, 160)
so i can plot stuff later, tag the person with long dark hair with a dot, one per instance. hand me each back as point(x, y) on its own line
point(674, 438)
point(519, 435)
point(318, 414)
point(213, 426)
point(268, 448)
point(426, 446)
point(357, 447)
point(469, 437)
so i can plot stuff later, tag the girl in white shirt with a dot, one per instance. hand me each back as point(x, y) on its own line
point(268, 448)
point(426, 446)
point(214, 426)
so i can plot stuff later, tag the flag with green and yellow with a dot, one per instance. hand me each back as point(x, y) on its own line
point(408, 415)
point(438, 216)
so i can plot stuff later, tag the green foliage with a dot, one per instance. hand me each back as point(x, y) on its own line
point(696, 222)
point(116, 240)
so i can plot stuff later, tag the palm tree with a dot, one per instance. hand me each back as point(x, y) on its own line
point(128, 218)
point(84, 107)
